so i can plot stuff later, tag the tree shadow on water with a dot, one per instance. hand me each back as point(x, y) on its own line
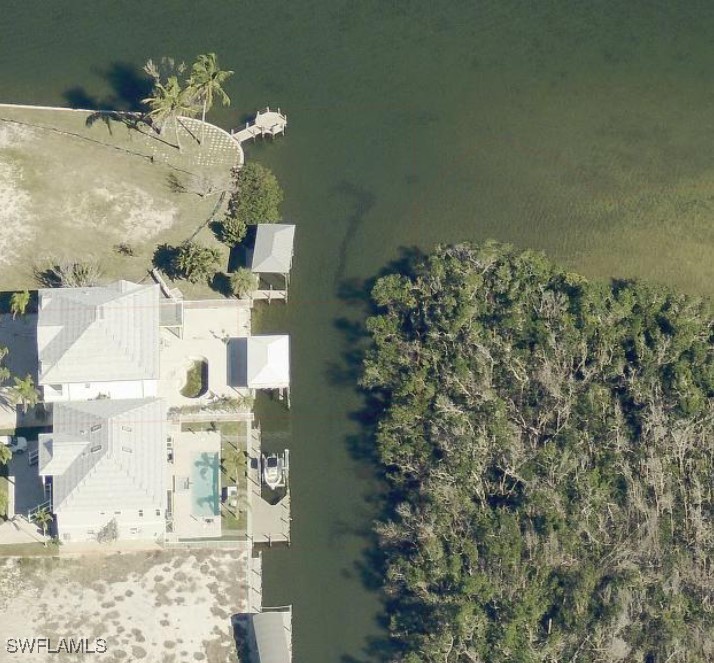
point(370, 568)
point(129, 86)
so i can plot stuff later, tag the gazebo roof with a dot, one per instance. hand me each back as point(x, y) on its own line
point(268, 362)
point(273, 250)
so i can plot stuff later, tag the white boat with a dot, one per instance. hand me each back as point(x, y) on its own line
point(274, 470)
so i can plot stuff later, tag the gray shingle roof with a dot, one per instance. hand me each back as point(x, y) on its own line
point(106, 455)
point(98, 334)
point(273, 249)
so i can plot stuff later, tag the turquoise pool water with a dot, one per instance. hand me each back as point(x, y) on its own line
point(205, 485)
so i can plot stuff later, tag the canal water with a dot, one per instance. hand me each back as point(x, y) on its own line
point(584, 129)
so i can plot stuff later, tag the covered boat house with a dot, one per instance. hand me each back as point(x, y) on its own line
point(273, 255)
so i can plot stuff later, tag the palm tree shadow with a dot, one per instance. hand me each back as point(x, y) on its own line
point(130, 86)
point(78, 97)
point(124, 105)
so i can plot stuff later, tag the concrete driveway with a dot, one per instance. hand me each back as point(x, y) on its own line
point(19, 336)
point(29, 491)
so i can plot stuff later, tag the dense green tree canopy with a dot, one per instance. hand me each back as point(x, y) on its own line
point(549, 445)
point(257, 195)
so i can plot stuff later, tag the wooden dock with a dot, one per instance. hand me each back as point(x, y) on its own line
point(269, 295)
point(266, 123)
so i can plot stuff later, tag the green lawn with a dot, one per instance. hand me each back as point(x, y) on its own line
point(226, 427)
point(196, 380)
point(71, 187)
point(234, 472)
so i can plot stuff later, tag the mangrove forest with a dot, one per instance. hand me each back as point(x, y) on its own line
point(548, 443)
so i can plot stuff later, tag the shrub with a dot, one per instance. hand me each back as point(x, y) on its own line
point(243, 282)
point(67, 273)
point(232, 231)
point(109, 533)
point(195, 262)
point(257, 195)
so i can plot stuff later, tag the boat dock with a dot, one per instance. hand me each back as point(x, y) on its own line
point(267, 523)
point(266, 123)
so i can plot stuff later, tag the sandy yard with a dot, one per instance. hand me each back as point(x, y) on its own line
point(71, 187)
point(156, 607)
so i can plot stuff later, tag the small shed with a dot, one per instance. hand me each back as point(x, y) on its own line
point(268, 362)
point(273, 249)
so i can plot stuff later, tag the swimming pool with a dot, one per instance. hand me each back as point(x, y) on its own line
point(205, 480)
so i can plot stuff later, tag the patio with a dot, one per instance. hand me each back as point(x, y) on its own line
point(208, 327)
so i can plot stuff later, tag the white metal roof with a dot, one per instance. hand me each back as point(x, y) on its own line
point(273, 249)
point(106, 454)
point(268, 362)
point(273, 636)
point(98, 334)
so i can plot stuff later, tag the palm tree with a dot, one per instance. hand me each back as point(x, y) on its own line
point(243, 282)
point(5, 454)
point(19, 302)
point(4, 371)
point(43, 518)
point(196, 262)
point(24, 392)
point(168, 103)
point(206, 82)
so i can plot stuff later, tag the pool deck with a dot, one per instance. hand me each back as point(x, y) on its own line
point(187, 446)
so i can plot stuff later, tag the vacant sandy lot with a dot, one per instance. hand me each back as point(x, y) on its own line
point(158, 607)
point(73, 186)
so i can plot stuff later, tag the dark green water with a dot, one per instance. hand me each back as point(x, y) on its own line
point(581, 128)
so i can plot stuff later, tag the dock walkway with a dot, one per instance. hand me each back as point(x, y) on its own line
point(266, 123)
point(267, 523)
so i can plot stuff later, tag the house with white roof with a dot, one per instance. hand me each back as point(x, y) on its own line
point(105, 464)
point(98, 342)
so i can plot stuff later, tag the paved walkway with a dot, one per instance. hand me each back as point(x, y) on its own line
point(19, 531)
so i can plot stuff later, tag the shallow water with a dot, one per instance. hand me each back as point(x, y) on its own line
point(580, 128)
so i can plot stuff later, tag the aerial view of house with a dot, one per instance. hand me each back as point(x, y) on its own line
point(104, 468)
point(98, 342)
